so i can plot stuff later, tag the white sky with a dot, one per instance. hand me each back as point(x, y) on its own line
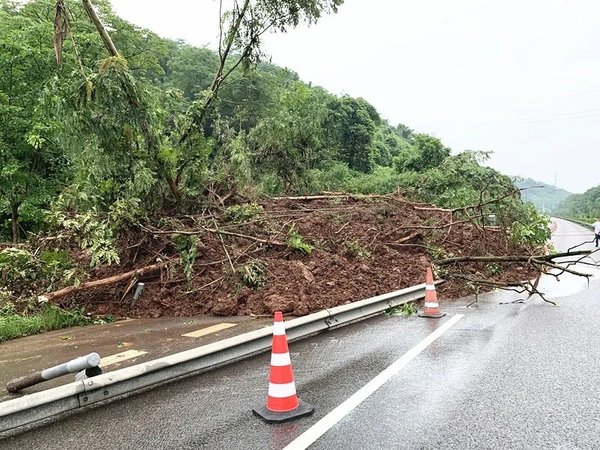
point(518, 77)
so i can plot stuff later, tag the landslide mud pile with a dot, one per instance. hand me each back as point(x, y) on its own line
point(296, 255)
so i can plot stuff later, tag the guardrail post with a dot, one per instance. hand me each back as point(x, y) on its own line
point(76, 365)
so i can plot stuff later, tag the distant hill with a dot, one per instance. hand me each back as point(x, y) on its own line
point(545, 198)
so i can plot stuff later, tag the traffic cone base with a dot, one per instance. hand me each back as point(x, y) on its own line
point(423, 313)
point(431, 308)
point(304, 409)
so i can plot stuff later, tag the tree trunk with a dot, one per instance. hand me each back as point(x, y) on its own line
point(15, 222)
point(99, 283)
point(108, 43)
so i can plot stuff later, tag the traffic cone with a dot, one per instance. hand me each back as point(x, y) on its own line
point(431, 308)
point(282, 402)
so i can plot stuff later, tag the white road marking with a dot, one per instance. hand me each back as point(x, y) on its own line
point(209, 330)
point(326, 423)
point(118, 357)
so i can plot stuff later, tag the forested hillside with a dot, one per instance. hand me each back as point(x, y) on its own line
point(108, 131)
point(584, 206)
point(545, 197)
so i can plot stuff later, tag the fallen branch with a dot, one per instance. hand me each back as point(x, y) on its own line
point(99, 283)
point(515, 258)
point(331, 196)
point(204, 287)
point(224, 247)
point(212, 230)
point(515, 286)
point(407, 238)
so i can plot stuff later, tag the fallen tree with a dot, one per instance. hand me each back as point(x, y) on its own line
point(543, 264)
point(99, 283)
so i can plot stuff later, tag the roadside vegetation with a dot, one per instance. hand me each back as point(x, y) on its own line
point(127, 157)
point(42, 318)
point(584, 207)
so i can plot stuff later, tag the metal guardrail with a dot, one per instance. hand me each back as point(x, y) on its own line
point(30, 410)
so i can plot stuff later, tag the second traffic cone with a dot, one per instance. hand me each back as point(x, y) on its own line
point(431, 307)
point(282, 402)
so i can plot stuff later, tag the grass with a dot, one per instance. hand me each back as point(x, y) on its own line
point(404, 310)
point(49, 318)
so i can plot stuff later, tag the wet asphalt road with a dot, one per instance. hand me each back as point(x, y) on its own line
point(505, 376)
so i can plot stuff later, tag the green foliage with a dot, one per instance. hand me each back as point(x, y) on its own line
point(355, 250)
point(243, 212)
point(425, 152)
point(296, 242)
point(19, 269)
point(404, 310)
point(290, 140)
point(187, 246)
point(49, 317)
point(530, 227)
point(493, 268)
point(59, 269)
point(92, 230)
point(125, 213)
point(459, 180)
point(585, 207)
point(31, 165)
point(436, 252)
point(353, 123)
point(91, 233)
point(253, 274)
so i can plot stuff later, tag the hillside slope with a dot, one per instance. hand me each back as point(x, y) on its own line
point(545, 197)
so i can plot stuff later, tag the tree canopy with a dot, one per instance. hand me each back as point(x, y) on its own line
point(102, 121)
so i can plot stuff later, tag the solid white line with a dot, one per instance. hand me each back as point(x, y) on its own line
point(322, 426)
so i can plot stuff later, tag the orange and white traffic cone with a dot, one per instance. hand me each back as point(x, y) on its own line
point(282, 402)
point(431, 308)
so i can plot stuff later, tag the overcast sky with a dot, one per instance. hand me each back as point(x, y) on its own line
point(518, 77)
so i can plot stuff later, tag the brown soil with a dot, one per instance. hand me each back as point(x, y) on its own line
point(358, 252)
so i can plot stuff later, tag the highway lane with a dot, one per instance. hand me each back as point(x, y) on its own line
point(533, 383)
point(504, 376)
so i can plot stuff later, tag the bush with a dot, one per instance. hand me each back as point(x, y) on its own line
point(242, 213)
point(253, 274)
point(530, 227)
point(19, 269)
